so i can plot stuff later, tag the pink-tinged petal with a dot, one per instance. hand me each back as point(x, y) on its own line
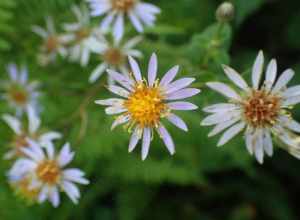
point(257, 70)
point(118, 29)
point(182, 106)
point(43, 195)
point(146, 142)
point(13, 71)
point(169, 76)
point(177, 121)
point(283, 80)
point(178, 84)
point(152, 69)
point(121, 79)
point(135, 69)
point(135, 137)
point(54, 196)
point(167, 139)
point(136, 22)
point(182, 94)
point(118, 90)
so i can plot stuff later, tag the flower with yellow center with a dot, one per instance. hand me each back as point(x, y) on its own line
point(22, 133)
point(261, 111)
point(18, 92)
point(146, 102)
point(140, 14)
point(47, 172)
point(113, 55)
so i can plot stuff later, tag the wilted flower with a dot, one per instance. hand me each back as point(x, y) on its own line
point(20, 93)
point(139, 13)
point(46, 172)
point(78, 33)
point(113, 55)
point(22, 134)
point(53, 43)
point(261, 111)
point(225, 12)
point(146, 102)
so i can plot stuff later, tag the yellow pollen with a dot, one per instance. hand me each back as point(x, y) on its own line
point(113, 56)
point(48, 172)
point(51, 44)
point(18, 96)
point(145, 105)
point(23, 188)
point(123, 5)
point(261, 109)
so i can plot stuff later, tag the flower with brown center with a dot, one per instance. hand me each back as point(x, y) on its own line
point(48, 171)
point(123, 5)
point(114, 57)
point(262, 110)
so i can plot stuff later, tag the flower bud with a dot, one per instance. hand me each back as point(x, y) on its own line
point(225, 12)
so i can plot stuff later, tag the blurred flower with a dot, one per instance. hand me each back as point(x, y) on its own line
point(78, 34)
point(20, 93)
point(53, 43)
point(139, 13)
point(22, 189)
point(113, 55)
point(225, 12)
point(48, 174)
point(33, 132)
point(261, 110)
point(146, 102)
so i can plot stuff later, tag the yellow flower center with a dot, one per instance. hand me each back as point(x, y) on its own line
point(145, 105)
point(123, 5)
point(48, 172)
point(261, 109)
point(113, 56)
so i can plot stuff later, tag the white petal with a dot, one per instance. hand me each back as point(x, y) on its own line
point(136, 22)
point(146, 142)
point(271, 74)
point(97, 72)
point(169, 76)
point(120, 120)
point(220, 107)
point(230, 133)
point(135, 69)
point(224, 90)
point(220, 117)
point(222, 126)
point(118, 30)
point(164, 134)
point(258, 146)
point(177, 121)
point(257, 70)
point(283, 80)
point(135, 137)
point(71, 190)
point(291, 101)
point(289, 123)
point(249, 138)
point(268, 145)
point(110, 102)
point(118, 91)
point(292, 91)
point(236, 78)
point(13, 123)
point(75, 175)
point(34, 121)
point(43, 195)
point(107, 22)
point(65, 156)
point(54, 196)
point(152, 69)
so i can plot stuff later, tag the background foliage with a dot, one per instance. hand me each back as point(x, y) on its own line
point(200, 181)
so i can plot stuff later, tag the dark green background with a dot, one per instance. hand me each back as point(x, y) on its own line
point(200, 181)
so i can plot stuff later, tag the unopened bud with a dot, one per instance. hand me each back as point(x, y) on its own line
point(225, 12)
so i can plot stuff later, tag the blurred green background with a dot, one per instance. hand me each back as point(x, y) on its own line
point(200, 181)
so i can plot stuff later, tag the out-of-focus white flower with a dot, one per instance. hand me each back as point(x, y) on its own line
point(145, 102)
point(18, 92)
point(22, 134)
point(140, 14)
point(78, 33)
point(260, 110)
point(47, 172)
point(113, 55)
point(53, 43)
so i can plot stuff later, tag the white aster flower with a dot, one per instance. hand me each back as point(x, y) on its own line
point(259, 111)
point(48, 173)
point(23, 133)
point(53, 43)
point(145, 102)
point(139, 13)
point(113, 55)
point(79, 33)
point(18, 92)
